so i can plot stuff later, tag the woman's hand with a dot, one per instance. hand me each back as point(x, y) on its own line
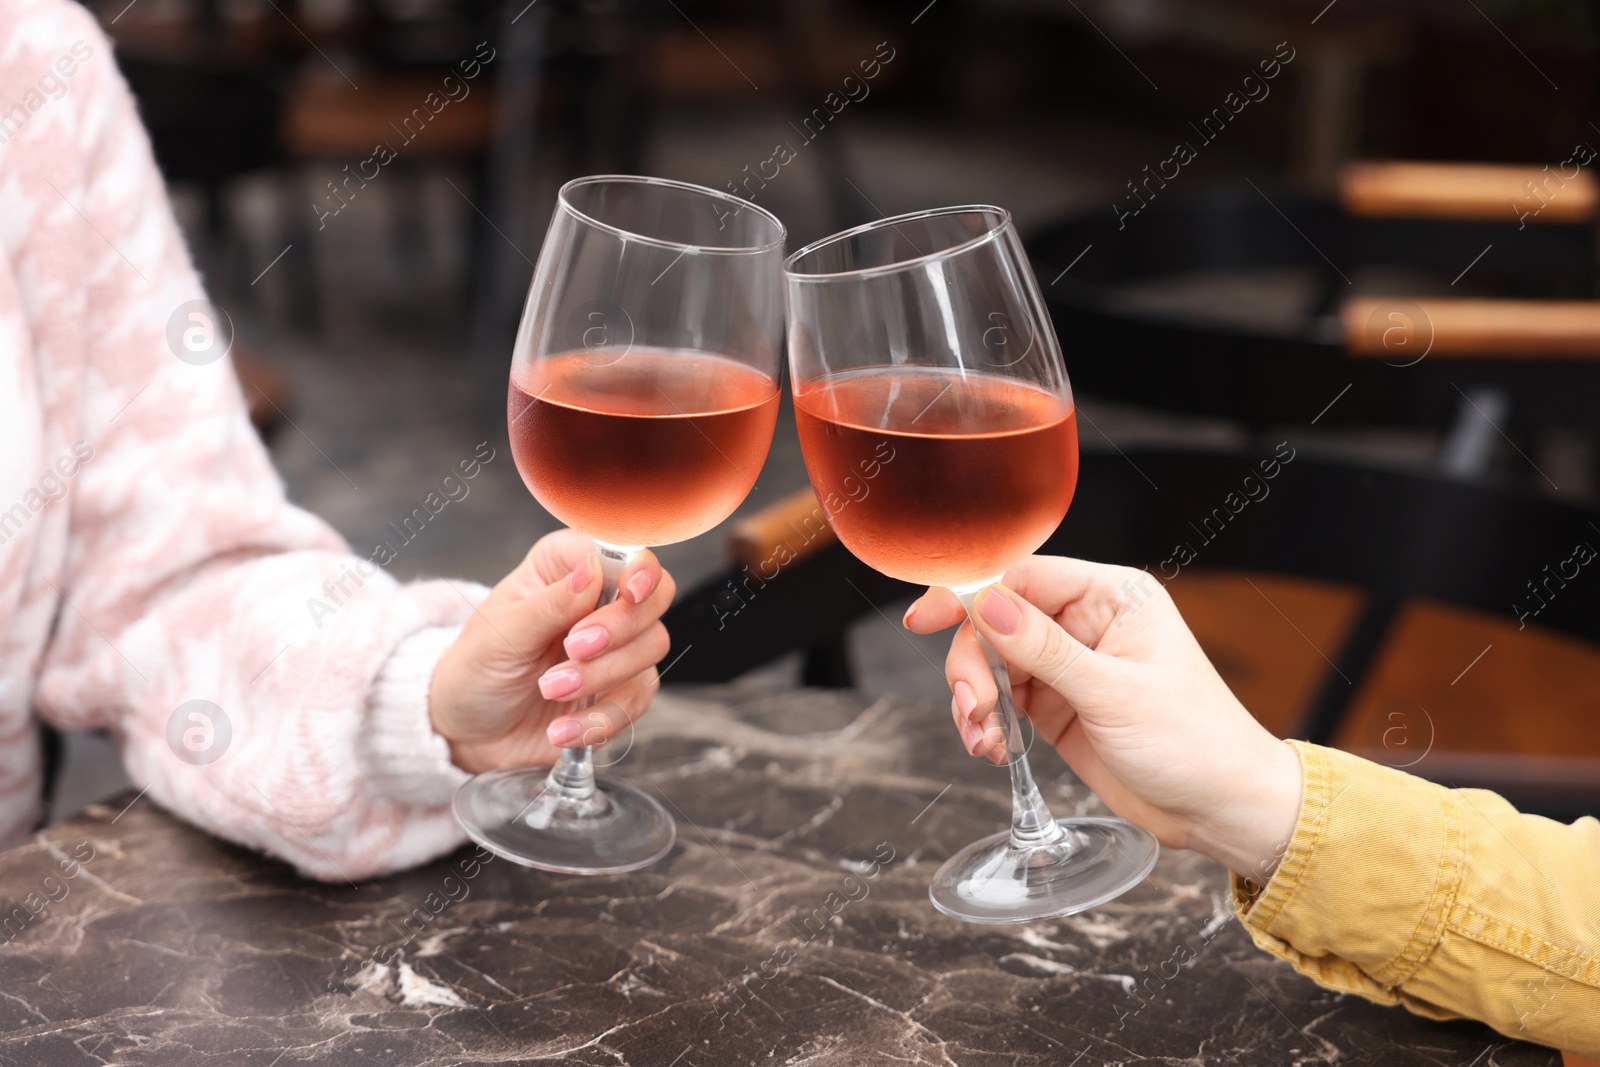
point(502, 693)
point(1106, 669)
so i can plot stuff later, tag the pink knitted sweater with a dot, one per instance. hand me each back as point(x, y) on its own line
point(148, 557)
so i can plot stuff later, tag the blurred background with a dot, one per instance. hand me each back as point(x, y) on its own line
point(1361, 234)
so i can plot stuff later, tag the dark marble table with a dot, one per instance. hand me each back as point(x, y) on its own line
point(766, 937)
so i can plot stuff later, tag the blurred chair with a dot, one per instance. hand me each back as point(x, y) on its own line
point(327, 123)
point(1418, 295)
point(1490, 192)
point(1364, 607)
point(580, 81)
point(793, 587)
point(1452, 326)
point(1377, 609)
point(210, 124)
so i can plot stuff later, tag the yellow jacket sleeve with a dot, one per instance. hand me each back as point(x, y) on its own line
point(1448, 901)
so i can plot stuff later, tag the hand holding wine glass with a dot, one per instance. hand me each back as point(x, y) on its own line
point(921, 356)
point(1108, 672)
point(492, 695)
point(641, 404)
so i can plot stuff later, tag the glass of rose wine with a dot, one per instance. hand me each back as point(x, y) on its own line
point(923, 338)
point(643, 396)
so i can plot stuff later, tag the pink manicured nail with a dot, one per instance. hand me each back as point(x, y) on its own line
point(564, 732)
point(966, 699)
point(560, 682)
point(998, 610)
point(640, 586)
point(581, 576)
point(581, 644)
point(905, 620)
point(971, 738)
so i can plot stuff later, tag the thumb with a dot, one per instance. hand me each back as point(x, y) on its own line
point(1034, 642)
point(530, 611)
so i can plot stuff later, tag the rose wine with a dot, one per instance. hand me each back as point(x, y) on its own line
point(937, 477)
point(647, 448)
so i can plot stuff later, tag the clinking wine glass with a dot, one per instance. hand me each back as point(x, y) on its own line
point(643, 396)
point(925, 369)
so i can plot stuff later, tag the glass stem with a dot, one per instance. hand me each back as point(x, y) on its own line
point(1032, 824)
point(572, 778)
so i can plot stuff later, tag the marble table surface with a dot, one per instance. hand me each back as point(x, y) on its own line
point(790, 925)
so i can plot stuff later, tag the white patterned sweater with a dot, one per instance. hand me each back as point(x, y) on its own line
point(148, 556)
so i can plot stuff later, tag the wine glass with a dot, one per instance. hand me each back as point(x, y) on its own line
point(940, 434)
point(644, 391)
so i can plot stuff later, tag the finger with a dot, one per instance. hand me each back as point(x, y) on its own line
point(1031, 640)
point(965, 701)
point(1053, 582)
point(554, 556)
point(975, 738)
point(608, 716)
point(993, 739)
point(937, 609)
point(623, 620)
point(971, 734)
point(573, 680)
point(966, 668)
point(1084, 596)
point(640, 578)
point(528, 613)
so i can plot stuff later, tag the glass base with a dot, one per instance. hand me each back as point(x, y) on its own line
point(512, 814)
point(989, 881)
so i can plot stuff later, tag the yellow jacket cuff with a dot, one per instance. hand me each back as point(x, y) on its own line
point(1447, 901)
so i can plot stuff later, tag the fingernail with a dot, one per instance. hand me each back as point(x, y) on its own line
point(581, 644)
point(971, 738)
point(640, 585)
point(966, 699)
point(997, 756)
point(564, 732)
point(560, 682)
point(998, 610)
point(905, 620)
point(994, 737)
point(581, 575)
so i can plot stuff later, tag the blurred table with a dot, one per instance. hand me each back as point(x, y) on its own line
point(765, 937)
